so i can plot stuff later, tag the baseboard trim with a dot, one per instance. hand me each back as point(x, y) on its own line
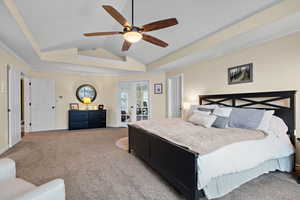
point(47, 131)
point(3, 150)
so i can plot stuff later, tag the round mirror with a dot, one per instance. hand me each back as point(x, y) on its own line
point(86, 92)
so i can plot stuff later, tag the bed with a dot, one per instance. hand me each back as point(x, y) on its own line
point(181, 166)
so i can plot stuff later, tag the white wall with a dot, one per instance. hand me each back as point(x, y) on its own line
point(107, 88)
point(276, 68)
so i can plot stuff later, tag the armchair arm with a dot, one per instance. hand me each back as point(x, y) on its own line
point(53, 190)
point(7, 169)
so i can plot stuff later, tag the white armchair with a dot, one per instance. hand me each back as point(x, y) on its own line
point(12, 188)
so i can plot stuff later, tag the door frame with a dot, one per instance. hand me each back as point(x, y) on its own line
point(27, 102)
point(118, 114)
point(169, 93)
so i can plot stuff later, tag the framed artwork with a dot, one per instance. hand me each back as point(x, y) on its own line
point(158, 88)
point(240, 74)
point(74, 106)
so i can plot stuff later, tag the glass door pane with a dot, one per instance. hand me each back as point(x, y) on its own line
point(134, 101)
point(142, 100)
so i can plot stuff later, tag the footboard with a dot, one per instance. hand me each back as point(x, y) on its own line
point(177, 164)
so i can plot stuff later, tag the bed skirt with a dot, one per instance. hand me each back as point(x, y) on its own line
point(222, 185)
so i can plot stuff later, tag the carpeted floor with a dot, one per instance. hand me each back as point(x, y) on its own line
point(95, 169)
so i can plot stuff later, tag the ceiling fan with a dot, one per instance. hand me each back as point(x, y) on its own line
point(132, 33)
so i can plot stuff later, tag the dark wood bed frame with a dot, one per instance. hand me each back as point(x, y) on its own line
point(177, 164)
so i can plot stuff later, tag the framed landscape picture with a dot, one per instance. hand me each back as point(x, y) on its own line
point(240, 74)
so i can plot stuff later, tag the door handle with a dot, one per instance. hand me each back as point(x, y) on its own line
point(53, 107)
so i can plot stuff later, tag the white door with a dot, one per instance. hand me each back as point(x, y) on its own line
point(42, 104)
point(134, 102)
point(14, 106)
point(175, 97)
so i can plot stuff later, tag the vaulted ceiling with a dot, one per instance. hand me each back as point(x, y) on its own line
point(57, 25)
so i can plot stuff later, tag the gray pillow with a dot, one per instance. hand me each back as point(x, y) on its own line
point(221, 122)
point(245, 118)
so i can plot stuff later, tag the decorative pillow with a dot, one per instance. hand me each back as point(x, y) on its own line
point(246, 118)
point(222, 112)
point(196, 107)
point(265, 122)
point(211, 106)
point(221, 122)
point(278, 127)
point(202, 112)
point(202, 119)
point(209, 110)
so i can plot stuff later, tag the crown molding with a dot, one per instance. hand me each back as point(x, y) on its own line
point(11, 52)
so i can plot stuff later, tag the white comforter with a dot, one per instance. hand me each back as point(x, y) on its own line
point(241, 156)
point(232, 158)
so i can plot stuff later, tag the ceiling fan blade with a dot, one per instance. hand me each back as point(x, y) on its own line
point(154, 40)
point(126, 45)
point(160, 24)
point(116, 15)
point(101, 34)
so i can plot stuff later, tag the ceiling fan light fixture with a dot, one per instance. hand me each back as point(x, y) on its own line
point(132, 36)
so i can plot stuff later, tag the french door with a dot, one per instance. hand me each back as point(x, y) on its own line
point(133, 101)
point(14, 105)
point(42, 104)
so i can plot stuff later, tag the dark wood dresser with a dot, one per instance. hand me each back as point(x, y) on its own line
point(85, 119)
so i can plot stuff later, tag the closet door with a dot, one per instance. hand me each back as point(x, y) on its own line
point(175, 97)
point(42, 104)
point(14, 106)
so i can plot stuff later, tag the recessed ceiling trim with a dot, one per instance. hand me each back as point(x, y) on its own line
point(11, 52)
point(67, 55)
point(267, 16)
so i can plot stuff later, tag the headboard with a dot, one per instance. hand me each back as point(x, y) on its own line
point(260, 100)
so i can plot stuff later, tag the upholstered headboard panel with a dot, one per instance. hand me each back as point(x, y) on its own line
point(283, 102)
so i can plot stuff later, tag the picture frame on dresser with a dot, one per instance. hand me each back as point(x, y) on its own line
point(74, 106)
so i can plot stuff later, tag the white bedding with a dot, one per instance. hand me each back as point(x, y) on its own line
point(232, 158)
point(241, 156)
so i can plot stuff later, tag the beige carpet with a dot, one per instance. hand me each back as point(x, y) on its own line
point(94, 168)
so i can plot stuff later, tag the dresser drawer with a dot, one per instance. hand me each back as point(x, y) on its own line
point(97, 115)
point(78, 116)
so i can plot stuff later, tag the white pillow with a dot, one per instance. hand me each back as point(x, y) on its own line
point(265, 122)
point(277, 127)
point(202, 119)
point(195, 107)
point(222, 112)
point(201, 112)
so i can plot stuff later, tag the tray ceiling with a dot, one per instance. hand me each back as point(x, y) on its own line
point(59, 24)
